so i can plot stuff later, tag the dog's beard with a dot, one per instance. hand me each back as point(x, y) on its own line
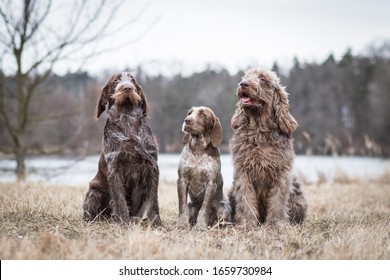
point(120, 97)
point(192, 129)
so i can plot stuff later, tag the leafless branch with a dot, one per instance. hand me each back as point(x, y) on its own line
point(28, 37)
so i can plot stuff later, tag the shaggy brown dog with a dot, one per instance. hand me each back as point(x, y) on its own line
point(125, 186)
point(199, 171)
point(264, 190)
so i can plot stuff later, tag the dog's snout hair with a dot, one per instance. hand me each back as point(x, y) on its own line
point(200, 184)
point(125, 186)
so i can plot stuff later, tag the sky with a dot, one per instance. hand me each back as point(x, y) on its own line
point(189, 35)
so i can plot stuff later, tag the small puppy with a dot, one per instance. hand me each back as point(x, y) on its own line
point(199, 172)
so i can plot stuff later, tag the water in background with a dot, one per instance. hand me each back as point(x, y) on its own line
point(78, 172)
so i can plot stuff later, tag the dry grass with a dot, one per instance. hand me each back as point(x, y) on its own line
point(348, 220)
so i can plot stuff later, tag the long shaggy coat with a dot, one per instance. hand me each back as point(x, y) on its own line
point(264, 190)
point(125, 187)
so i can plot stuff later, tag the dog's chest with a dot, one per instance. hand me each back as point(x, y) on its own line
point(198, 170)
point(261, 150)
point(129, 138)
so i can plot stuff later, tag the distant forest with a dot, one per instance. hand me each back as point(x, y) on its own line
point(342, 106)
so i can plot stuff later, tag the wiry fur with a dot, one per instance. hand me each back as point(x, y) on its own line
point(199, 171)
point(264, 190)
point(125, 186)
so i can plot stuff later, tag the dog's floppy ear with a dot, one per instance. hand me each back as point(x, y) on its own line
point(186, 138)
point(286, 121)
point(236, 118)
point(216, 133)
point(102, 101)
point(143, 97)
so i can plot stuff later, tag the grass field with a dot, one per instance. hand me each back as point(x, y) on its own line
point(346, 220)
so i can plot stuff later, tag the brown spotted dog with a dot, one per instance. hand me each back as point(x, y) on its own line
point(125, 186)
point(199, 172)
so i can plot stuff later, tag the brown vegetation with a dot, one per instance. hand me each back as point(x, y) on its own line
point(348, 220)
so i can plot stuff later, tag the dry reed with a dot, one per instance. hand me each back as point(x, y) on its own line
point(346, 220)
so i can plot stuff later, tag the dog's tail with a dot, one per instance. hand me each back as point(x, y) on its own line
point(224, 212)
point(297, 203)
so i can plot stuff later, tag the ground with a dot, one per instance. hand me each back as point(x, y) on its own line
point(346, 220)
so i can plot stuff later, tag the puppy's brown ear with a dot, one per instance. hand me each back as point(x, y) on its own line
point(286, 121)
point(186, 138)
point(102, 101)
point(216, 133)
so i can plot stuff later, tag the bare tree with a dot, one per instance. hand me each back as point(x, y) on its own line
point(35, 37)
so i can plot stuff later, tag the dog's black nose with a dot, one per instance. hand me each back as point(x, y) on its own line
point(126, 88)
point(188, 121)
point(244, 84)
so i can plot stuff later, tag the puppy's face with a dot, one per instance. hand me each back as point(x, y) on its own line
point(202, 121)
point(256, 89)
point(122, 90)
point(199, 121)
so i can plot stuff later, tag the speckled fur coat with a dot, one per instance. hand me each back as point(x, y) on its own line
point(125, 186)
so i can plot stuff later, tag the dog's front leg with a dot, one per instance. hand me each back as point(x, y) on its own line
point(277, 213)
point(182, 192)
point(243, 198)
point(152, 198)
point(120, 211)
point(207, 206)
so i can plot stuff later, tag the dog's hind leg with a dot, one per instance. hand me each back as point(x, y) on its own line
point(96, 204)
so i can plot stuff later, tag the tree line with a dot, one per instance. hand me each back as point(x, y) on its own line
point(342, 106)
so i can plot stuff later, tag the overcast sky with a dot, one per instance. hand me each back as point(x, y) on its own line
point(187, 35)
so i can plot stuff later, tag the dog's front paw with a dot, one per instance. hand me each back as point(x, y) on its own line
point(277, 224)
point(182, 221)
point(155, 222)
point(121, 219)
point(201, 223)
point(201, 226)
point(134, 220)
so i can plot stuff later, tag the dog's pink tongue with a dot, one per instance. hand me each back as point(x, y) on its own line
point(246, 100)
